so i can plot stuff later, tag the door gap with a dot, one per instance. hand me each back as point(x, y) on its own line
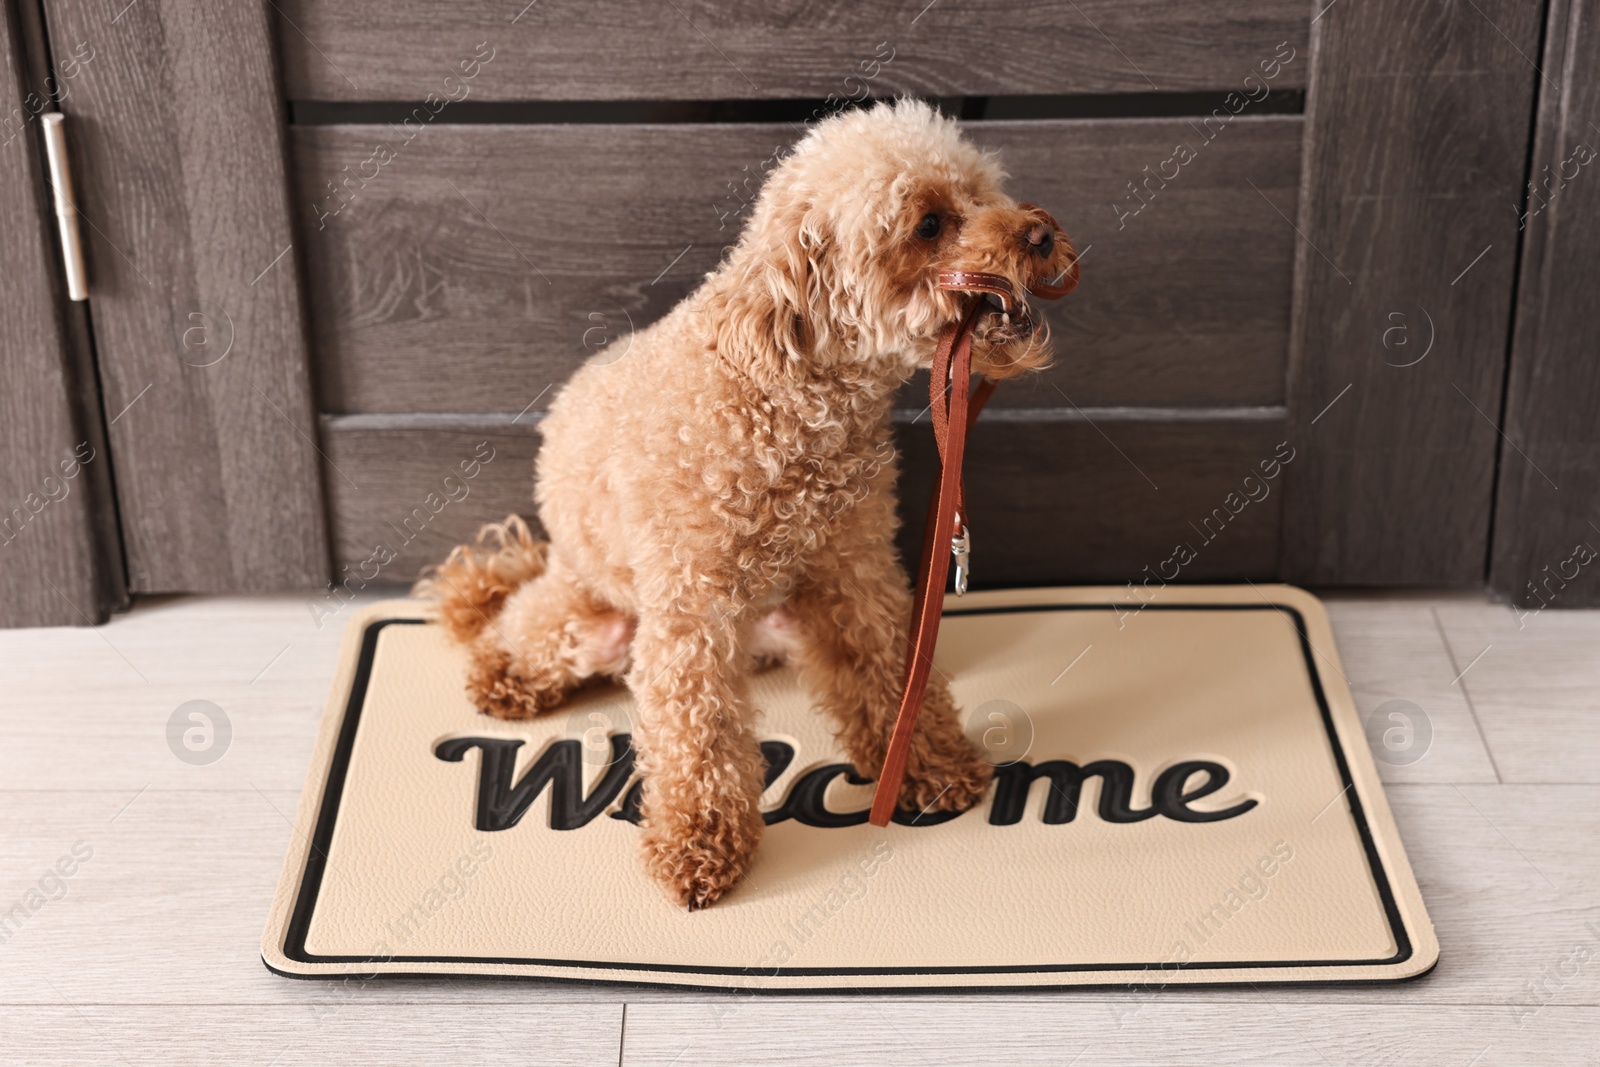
point(672, 112)
point(1517, 265)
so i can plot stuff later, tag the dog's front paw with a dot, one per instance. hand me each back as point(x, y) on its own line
point(698, 857)
point(495, 689)
point(949, 777)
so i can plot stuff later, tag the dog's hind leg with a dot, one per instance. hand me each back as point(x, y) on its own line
point(549, 638)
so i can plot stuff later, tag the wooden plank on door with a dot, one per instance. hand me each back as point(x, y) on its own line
point(58, 563)
point(727, 49)
point(195, 291)
point(1418, 126)
point(1547, 519)
point(1059, 496)
point(476, 265)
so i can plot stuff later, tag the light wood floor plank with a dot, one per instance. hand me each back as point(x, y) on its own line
point(1247, 1028)
point(263, 660)
point(1393, 651)
point(1534, 678)
point(351, 1035)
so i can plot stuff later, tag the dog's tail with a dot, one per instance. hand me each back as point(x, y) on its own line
point(470, 586)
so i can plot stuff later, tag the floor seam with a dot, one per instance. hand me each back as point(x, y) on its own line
point(1466, 694)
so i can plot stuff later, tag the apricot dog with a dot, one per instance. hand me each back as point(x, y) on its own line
point(722, 492)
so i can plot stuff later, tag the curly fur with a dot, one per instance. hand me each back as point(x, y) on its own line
point(723, 493)
point(473, 582)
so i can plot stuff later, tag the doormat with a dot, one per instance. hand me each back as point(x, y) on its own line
point(1183, 795)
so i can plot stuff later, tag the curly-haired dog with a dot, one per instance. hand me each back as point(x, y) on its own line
point(723, 491)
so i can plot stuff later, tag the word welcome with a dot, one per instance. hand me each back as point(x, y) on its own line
point(455, 490)
point(502, 800)
point(1183, 153)
point(384, 153)
point(54, 489)
point(52, 885)
point(1254, 490)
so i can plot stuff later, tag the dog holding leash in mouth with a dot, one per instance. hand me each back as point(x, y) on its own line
point(723, 494)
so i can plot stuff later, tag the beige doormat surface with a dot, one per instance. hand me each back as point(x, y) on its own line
point(1185, 796)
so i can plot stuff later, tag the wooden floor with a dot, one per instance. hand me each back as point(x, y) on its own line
point(147, 953)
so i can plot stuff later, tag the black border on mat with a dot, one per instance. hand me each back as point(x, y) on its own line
point(327, 815)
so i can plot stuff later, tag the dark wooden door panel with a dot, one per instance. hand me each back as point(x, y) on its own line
point(58, 561)
point(1187, 276)
point(195, 293)
point(726, 49)
point(1236, 306)
point(1417, 138)
point(1055, 499)
point(1146, 498)
point(1547, 522)
point(480, 264)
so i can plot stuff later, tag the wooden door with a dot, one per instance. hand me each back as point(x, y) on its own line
point(59, 557)
point(194, 291)
point(1547, 519)
point(465, 249)
point(348, 255)
point(1415, 157)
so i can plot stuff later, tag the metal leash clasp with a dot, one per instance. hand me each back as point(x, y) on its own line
point(961, 549)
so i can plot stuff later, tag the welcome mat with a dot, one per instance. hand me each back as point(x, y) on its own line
point(1184, 795)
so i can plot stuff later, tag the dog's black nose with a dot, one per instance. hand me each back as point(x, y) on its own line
point(1041, 238)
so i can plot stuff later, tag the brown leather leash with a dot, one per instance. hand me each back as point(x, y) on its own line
point(955, 407)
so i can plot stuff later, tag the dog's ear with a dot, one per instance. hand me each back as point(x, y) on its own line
point(775, 310)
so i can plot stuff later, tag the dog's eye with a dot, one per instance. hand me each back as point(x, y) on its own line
point(930, 226)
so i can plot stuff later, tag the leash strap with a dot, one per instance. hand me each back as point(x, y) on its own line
point(955, 407)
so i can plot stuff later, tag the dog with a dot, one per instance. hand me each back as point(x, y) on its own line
point(722, 494)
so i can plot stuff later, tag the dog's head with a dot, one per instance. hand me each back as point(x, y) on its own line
point(841, 261)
